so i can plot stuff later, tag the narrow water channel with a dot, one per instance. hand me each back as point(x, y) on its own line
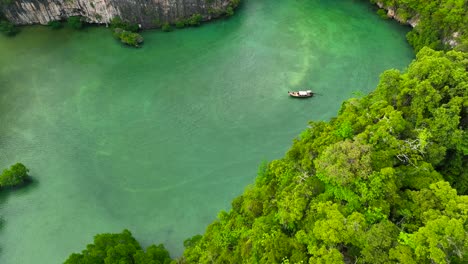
point(159, 139)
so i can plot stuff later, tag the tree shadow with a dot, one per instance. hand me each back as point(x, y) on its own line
point(29, 185)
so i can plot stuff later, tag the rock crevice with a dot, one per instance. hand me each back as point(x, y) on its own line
point(147, 13)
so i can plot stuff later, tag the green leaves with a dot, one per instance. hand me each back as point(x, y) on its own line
point(345, 131)
point(16, 175)
point(344, 162)
point(373, 185)
point(75, 22)
point(117, 22)
point(7, 28)
point(437, 21)
point(128, 37)
point(121, 248)
point(442, 240)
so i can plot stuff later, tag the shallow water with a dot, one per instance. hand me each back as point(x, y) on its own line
point(159, 139)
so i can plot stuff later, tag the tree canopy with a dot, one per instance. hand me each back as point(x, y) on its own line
point(439, 21)
point(120, 248)
point(383, 182)
point(16, 175)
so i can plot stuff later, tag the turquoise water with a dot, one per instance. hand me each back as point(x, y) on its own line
point(159, 139)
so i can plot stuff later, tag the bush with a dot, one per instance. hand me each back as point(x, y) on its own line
point(7, 28)
point(437, 21)
point(194, 20)
point(119, 248)
point(166, 27)
point(213, 11)
point(382, 13)
point(117, 22)
point(235, 3)
point(128, 37)
point(180, 24)
point(75, 22)
point(157, 23)
point(232, 5)
point(229, 11)
point(16, 175)
point(463, 46)
point(55, 24)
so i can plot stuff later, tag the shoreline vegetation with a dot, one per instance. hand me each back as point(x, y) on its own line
point(12, 179)
point(385, 181)
point(125, 31)
point(16, 176)
point(120, 248)
point(441, 25)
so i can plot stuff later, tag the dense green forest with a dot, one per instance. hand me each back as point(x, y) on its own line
point(383, 182)
point(439, 21)
point(120, 248)
point(386, 181)
point(15, 176)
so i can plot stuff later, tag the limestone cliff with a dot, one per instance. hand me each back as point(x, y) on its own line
point(143, 12)
point(392, 13)
point(452, 39)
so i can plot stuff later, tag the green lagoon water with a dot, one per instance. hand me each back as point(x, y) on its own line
point(159, 139)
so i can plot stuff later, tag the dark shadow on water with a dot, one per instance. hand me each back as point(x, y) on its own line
point(28, 186)
point(21, 189)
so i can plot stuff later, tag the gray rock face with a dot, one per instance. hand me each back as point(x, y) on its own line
point(144, 12)
point(392, 13)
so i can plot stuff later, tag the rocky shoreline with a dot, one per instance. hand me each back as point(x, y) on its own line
point(413, 21)
point(146, 13)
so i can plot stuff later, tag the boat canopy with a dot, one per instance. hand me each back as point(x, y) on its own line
point(303, 93)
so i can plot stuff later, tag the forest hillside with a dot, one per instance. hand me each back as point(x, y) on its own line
point(383, 182)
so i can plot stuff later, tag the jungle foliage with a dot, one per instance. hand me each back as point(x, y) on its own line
point(16, 175)
point(119, 248)
point(386, 181)
point(383, 182)
point(127, 37)
point(117, 22)
point(126, 32)
point(56, 24)
point(7, 28)
point(439, 21)
point(75, 22)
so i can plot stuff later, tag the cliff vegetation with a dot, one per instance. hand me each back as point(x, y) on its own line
point(146, 14)
point(441, 24)
point(16, 175)
point(386, 181)
point(119, 248)
point(383, 182)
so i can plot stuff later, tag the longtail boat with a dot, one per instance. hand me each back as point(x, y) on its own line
point(301, 94)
